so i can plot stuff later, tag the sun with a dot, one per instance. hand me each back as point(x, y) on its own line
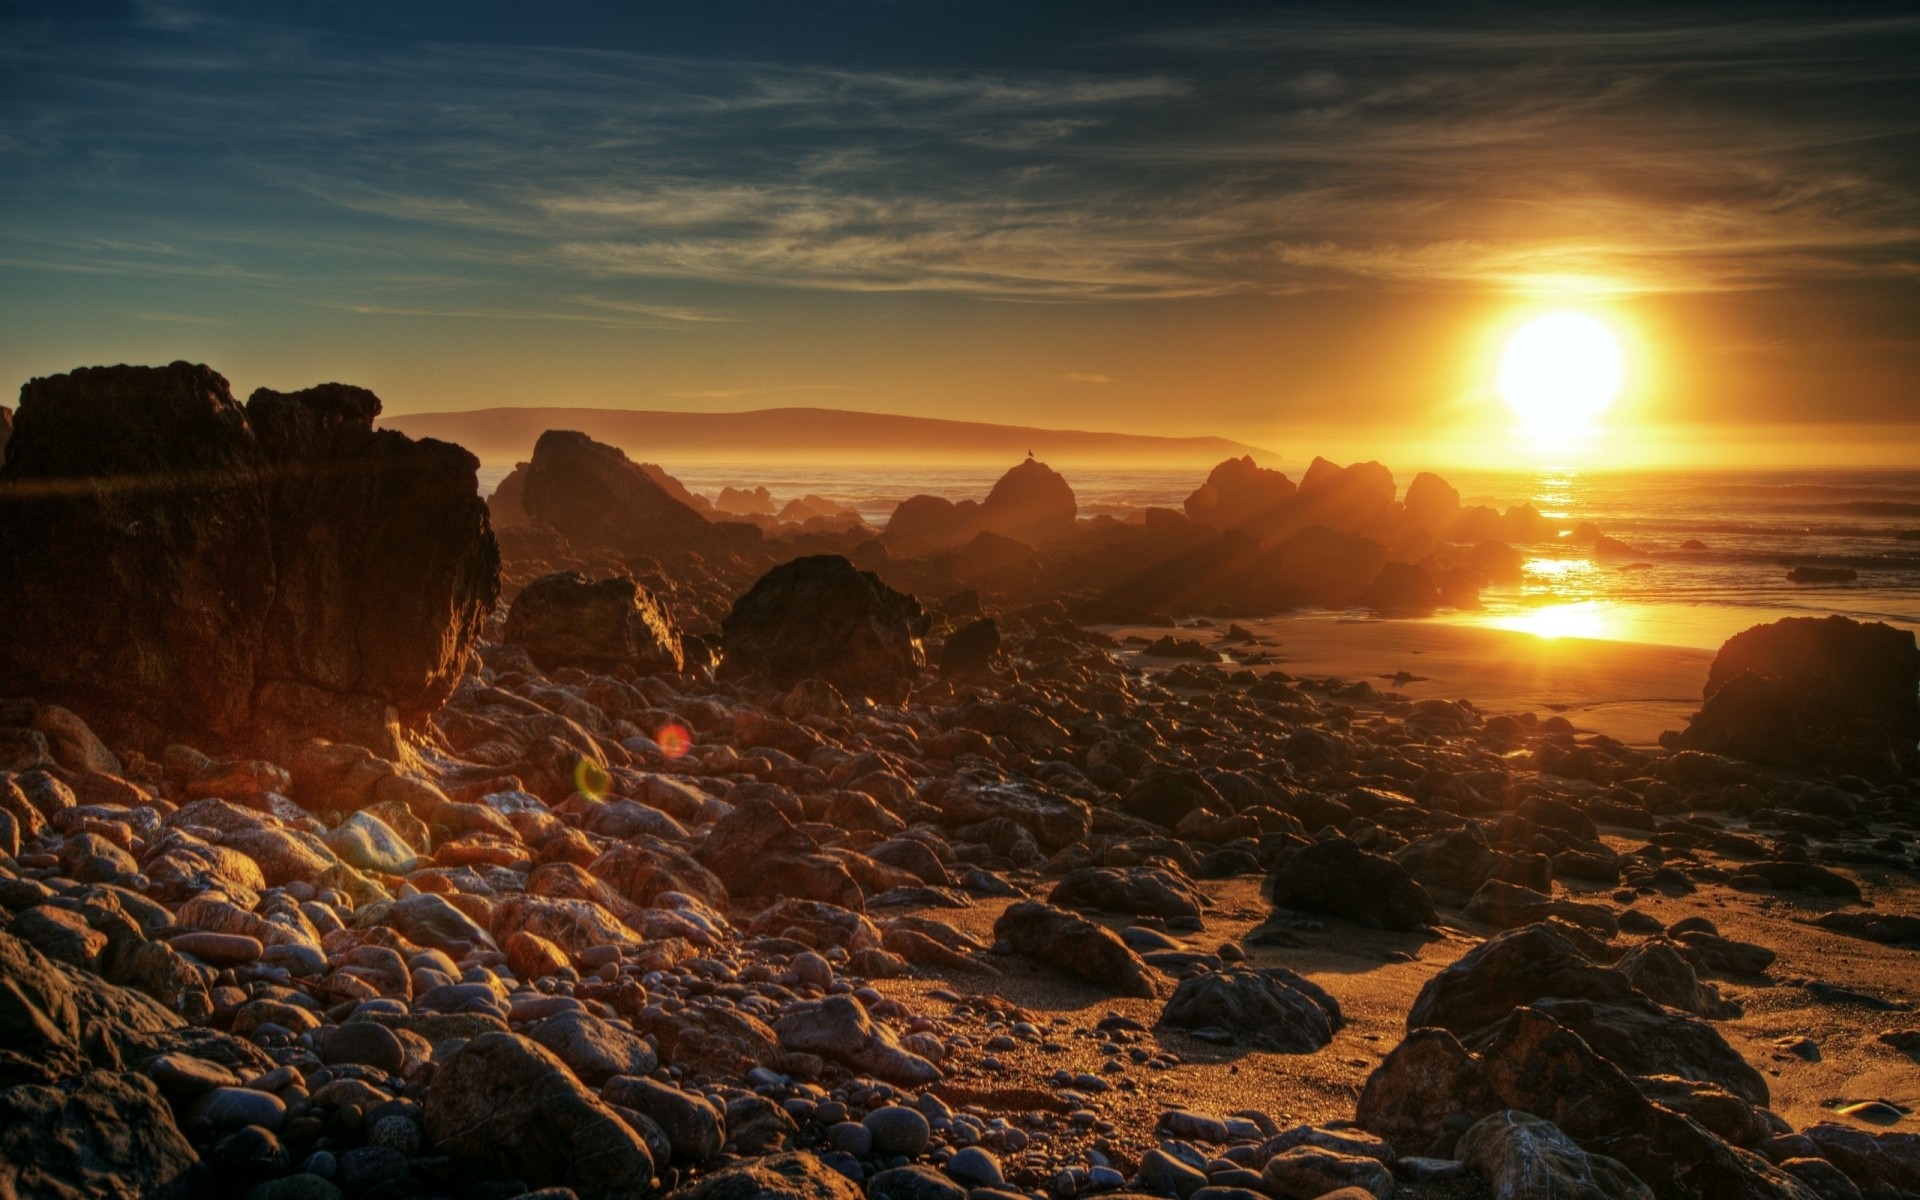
point(1559, 373)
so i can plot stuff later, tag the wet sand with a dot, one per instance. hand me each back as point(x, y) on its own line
point(1625, 690)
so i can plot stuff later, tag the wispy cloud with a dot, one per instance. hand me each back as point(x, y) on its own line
point(1271, 156)
point(1082, 377)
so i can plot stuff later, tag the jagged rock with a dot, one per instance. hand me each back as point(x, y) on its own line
point(821, 616)
point(1071, 943)
point(1339, 879)
point(1525, 1158)
point(1659, 971)
point(1165, 795)
point(246, 571)
point(562, 620)
point(969, 653)
point(1432, 503)
point(1311, 1172)
point(1235, 490)
point(694, 1127)
point(1402, 590)
point(591, 1048)
point(1135, 891)
point(99, 1134)
point(777, 1177)
point(838, 1028)
point(1508, 906)
point(756, 851)
point(1031, 504)
point(1423, 1082)
point(1272, 1009)
point(1869, 1159)
point(1055, 821)
point(594, 495)
point(505, 1106)
point(1512, 969)
point(1807, 692)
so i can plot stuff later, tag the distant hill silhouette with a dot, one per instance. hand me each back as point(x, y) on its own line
point(505, 435)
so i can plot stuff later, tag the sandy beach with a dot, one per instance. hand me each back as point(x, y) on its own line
point(1625, 690)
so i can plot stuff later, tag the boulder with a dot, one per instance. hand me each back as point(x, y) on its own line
point(821, 616)
point(1402, 590)
point(1167, 794)
point(695, 1129)
point(1512, 969)
point(249, 572)
point(1134, 891)
point(1432, 503)
point(968, 655)
point(1523, 1158)
point(1339, 879)
point(1031, 504)
point(1235, 490)
point(838, 1028)
point(1812, 692)
point(776, 1177)
point(105, 1134)
point(594, 495)
point(505, 1107)
point(1272, 1009)
point(562, 620)
point(1071, 943)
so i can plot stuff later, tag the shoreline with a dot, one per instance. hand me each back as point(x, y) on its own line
point(1631, 691)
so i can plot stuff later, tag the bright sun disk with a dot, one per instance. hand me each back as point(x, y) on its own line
point(1559, 373)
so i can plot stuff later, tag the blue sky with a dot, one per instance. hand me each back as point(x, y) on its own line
point(1178, 218)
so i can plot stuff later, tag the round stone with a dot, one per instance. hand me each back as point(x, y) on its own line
point(852, 1138)
point(233, 1107)
point(366, 1044)
point(898, 1132)
point(395, 1133)
point(976, 1168)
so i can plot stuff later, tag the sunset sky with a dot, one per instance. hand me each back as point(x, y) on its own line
point(1296, 226)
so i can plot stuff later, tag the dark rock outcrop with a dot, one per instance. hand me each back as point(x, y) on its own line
point(1808, 693)
point(505, 1106)
point(819, 616)
point(1235, 490)
point(1273, 1010)
point(279, 569)
point(595, 495)
point(1031, 504)
point(1071, 943)
point(562, 620)
point(1339, 879)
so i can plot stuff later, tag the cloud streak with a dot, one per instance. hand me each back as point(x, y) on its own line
point(1274, 157)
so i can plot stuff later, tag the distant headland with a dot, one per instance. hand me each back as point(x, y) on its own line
point(508, 434)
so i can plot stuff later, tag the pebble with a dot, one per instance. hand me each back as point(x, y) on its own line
point(232, 1107)
point(898, 1131)
point(367, 1044)
point(976, 1168)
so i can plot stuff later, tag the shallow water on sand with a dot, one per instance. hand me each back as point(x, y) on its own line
point(1713, 548)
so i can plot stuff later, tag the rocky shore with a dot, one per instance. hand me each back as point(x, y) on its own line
point(356, 841)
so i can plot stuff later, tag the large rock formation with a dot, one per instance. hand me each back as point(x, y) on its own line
point(186, 568)
point(1809, 692)
point(820, 616)
point(562, 620)
point(596, 496)
point(1032, 503)
point(1235, 490)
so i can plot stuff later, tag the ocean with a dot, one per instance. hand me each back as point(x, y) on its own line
point(1754, 527)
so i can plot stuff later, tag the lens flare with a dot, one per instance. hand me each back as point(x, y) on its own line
point(674, 740)
point(590, 779)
